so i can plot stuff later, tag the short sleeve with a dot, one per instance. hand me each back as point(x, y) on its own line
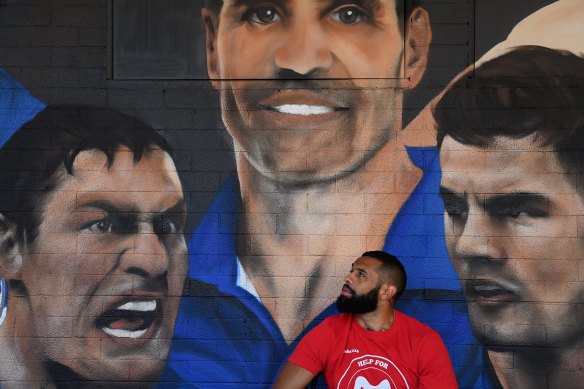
point(314, 349)
point(436, 369)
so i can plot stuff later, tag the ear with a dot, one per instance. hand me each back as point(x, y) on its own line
point(388, 292)
point(10, 250)
point(417, 44)
point(211, 21)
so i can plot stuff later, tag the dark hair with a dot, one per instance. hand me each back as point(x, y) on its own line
point(30, 160)
point(529, 90)
point(215, 6)
point(391, 268)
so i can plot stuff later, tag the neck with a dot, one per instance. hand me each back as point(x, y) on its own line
point(379, 320)
point(306, 233)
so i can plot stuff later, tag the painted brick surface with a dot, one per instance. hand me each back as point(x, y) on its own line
point(295, 237)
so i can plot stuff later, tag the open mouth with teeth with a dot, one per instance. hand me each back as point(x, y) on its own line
point(130, 319)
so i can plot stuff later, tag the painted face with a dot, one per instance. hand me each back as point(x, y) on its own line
point(105, 274)
point(511, 224)
point(360, 292)
point(335, 101)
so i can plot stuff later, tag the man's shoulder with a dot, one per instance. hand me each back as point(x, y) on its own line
point(414, 326)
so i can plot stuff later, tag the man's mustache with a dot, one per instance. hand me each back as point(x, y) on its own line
point(350, 289)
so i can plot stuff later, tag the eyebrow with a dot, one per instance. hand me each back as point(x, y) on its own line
point(359, 269)
point(178, 207)
point(107, 207)
point(445, 192)
point(512, 199)
point(500, 200)
point(251, 3)
point(370, 4)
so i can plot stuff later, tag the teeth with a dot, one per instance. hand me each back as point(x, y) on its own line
point(303, 109)
point(141, 306)
point(124, 333)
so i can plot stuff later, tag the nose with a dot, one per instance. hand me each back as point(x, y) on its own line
point(349, 278)
point(478, 238)
point(147, 255)
point(304, 52)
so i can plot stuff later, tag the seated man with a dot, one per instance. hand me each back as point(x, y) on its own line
point(512, 155)
point(370, 344)
point(91, 249)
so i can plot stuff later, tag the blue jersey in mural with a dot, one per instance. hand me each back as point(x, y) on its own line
point(17, 106)
point(224, 335)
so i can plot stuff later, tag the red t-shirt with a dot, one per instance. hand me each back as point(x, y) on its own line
point(408, 355)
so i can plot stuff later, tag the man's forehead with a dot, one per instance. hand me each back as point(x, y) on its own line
point(502, 168)
point(502, 154)
point(366, 263)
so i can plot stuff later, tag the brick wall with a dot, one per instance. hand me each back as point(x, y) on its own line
point(60, 49)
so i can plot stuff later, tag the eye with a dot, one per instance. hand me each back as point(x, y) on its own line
point(262, 15)
point(103, 226)
point(112, 224)
point(349, 15)
point(518, 212)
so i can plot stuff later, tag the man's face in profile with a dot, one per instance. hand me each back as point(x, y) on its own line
point(360, 293)
point(347, 106)
point(105, 273)
point(511, 224)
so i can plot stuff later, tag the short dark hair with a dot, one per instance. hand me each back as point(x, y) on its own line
point(31, 158)
point(529, 90)
point(400, 5)
point(392, 270)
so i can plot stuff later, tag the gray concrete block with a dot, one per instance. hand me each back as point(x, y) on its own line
point(90, 57)
point(25, 56)
point(82, 16)
point(92, 97)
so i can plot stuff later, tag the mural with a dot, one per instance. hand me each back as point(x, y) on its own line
point(487, 224)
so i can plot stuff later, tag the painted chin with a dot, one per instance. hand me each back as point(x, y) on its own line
point(131, 322)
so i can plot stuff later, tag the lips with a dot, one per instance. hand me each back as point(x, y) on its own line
point(347, 291)
point(130, 318)
point(490, 292)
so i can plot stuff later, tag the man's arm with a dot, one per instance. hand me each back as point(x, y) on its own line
point(293, 377)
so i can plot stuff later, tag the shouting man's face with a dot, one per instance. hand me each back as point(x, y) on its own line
point(105, 274)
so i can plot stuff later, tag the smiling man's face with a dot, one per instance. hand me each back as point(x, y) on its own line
point(336, 71)
point(105, 274)
point(511, 224)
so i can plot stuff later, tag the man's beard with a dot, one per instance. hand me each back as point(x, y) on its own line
point(358, 303)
